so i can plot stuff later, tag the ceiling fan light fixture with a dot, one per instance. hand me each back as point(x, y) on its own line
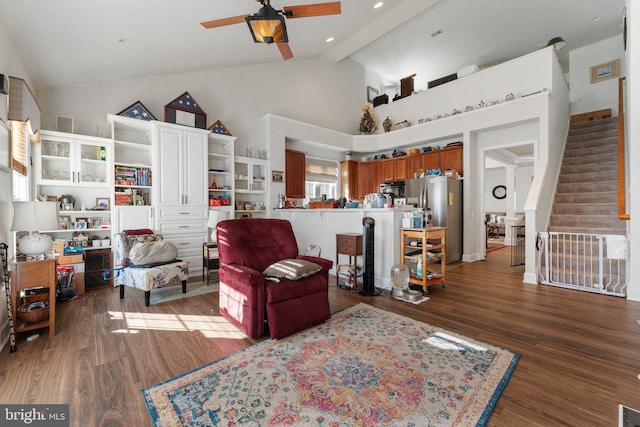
point(267, 26)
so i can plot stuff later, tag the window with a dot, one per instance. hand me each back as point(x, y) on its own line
point(19, 163)
point(315, 190)
point(321, 178)
point(19, 147)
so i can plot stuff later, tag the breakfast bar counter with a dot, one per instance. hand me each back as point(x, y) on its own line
point(320, 226)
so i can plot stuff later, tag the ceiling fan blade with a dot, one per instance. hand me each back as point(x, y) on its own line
point(224, 21)
point(285, 50)
point(308, 10)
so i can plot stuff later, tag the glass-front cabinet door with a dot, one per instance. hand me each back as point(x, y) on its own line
point(55, 161)
point(91, 163)
point(250, 175)
point(66, 159)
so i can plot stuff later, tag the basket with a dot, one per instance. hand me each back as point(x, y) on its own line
point(28, 299)
point(29, 314)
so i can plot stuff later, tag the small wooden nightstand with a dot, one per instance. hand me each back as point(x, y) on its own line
point(31, 274)
point(210, 260)
point(348, 244)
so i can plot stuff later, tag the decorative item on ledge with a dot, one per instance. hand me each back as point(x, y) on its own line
point(184, 110)
point(386, 125)
point(406, 86)
point(403, 124)
point(137, 110)
point(367, 122)
point(219, 128)
point(380, 99)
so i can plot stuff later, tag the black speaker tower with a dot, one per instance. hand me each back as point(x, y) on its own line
point(368, 287)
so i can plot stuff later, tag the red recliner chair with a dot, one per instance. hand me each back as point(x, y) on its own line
point(246, 248)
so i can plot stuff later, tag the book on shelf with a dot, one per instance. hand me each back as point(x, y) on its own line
point(127, 175)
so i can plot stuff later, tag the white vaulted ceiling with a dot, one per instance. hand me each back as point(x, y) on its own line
point(76, 42)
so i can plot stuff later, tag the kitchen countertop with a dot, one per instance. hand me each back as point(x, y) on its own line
point(395, 209)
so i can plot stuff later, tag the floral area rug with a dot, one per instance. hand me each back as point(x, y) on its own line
point(363, 367)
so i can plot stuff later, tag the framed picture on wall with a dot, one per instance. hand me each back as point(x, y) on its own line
point(606, 71)
point(65, 221)
point(371, 93)
point(102, 203)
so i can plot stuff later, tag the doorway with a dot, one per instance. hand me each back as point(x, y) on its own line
point(507, 177)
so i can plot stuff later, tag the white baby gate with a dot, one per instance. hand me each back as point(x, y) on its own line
point(587, 262)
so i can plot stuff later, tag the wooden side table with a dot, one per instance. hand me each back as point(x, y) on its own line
point(348, 244)
point(210, 260)
point(31, 274)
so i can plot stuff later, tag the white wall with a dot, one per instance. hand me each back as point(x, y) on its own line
point(585, 96)
point(498, 176)
point(520, 76)
point(239, 97)
point(524, 176)
point(10, 64)
point(493, 177)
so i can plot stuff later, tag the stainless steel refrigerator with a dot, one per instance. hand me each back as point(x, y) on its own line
point(443, 197)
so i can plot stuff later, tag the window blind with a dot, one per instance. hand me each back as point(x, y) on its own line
point(321, 170)
point(19, 147)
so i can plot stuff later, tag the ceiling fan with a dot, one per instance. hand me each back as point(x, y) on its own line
point(268, 24)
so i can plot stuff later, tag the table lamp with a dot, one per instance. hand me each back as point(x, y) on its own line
point(215, 216)
point(33, 217)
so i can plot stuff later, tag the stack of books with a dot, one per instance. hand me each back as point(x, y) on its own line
point(131, 176)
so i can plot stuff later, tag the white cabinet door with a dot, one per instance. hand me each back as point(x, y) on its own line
point(131, 218)
point(195, 173)
point(182, 167)
point(169, 167)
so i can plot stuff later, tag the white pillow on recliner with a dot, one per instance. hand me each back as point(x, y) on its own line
point(292, 269)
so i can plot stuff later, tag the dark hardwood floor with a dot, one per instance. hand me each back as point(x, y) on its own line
point(580, 351)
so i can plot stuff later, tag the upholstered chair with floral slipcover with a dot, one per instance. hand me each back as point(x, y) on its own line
point(144, 261)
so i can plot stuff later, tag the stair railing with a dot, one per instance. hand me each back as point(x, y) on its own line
point(622, 188)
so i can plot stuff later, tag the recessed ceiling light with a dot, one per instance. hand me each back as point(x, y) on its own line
point(378, 5)
point(329, 40)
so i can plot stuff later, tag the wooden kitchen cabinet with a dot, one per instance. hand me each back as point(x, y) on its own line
point(394, 169)
point(376, 177)
point(452, 158)
point(349, 178)
point(430, 160)
point(388, 169)
point(401, 169)
point(414, 165)
point(295, 174)
point(365, 181)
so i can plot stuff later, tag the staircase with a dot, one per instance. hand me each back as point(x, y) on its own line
point(585, 246)
point(587, 194)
